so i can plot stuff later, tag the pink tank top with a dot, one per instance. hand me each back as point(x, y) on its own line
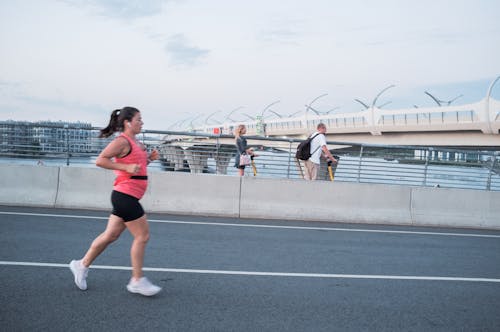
point(123, 182)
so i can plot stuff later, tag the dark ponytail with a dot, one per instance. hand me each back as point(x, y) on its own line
point(117, 119)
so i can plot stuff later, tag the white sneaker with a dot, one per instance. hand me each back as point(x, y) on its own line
point(80, 272)
point(143, 286)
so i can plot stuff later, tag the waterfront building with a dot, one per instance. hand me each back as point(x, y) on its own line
point(45, 137)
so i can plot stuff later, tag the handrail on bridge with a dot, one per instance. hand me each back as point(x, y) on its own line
point(210, 153)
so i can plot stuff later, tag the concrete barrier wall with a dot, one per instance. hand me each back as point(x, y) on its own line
point(88, 188)
point(28, 185)
point(455, 207)
point(248, 197)
point(321, 200)
point(200, 194)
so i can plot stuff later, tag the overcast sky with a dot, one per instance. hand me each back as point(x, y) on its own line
point(76, 60)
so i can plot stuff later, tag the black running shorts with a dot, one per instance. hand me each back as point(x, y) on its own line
point(125, 206)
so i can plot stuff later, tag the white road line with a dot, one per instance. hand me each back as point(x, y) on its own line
point(263, 274)
point(336, 229)
point(327, 229)
point(51, 215)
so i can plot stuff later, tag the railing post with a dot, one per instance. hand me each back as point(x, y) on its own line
point(67, 144)
point(289, 159)
point(217, 152)
point(492, 167)
point(359, 164)
point(424, 183)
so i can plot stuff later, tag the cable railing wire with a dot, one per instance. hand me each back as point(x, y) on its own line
point(52, 145)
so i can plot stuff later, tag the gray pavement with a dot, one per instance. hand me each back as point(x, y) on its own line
point(222, 274)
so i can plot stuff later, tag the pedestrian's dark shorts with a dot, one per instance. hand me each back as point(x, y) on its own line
point(125, 206)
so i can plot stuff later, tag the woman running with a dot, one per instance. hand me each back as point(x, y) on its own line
point(129, 159)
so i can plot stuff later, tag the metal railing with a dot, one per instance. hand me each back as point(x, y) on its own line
point(207, 153)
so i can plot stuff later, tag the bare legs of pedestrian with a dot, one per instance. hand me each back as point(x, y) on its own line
point(139, 229)
point(112, 232)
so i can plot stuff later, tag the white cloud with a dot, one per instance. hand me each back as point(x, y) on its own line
point(182, 53)
point(125, 9)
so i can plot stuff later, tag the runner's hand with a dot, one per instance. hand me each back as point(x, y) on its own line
point(132, 168)
point(154, 155)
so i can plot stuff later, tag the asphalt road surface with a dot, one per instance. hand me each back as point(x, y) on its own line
point(222, 274)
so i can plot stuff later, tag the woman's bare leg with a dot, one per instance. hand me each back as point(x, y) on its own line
point(112, 232)
point(139, 229)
